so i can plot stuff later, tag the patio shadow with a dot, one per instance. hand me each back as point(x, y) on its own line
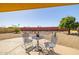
point(52, 53)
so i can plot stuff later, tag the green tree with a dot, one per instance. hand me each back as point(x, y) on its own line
point(76, 25)
point(67, 23)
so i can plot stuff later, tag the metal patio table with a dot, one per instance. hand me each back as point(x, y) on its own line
point(38, 48)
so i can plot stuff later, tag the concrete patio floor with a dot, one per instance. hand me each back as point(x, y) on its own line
point(14, 46)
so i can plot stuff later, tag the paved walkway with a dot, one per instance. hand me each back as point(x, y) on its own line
point(14, 46)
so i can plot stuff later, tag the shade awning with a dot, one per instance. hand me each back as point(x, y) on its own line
point(7, 7)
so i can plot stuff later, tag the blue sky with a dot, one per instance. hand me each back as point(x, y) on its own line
point(39, 17)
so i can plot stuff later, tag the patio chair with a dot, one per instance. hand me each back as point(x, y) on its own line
point(52, 43)
point(27, 42)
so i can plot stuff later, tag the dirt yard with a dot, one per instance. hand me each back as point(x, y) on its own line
point(68, 40)
point(9, 35)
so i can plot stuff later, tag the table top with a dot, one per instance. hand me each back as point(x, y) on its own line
point(36, 38)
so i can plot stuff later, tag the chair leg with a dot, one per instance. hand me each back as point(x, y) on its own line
point(47, 49)
point(32, 42)
point(52, 49)
point(28, 53)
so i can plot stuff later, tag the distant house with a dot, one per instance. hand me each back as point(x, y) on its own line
point(41, 29)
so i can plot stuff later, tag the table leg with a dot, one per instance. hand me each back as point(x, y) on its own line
point(37, 44)
point(38, 48)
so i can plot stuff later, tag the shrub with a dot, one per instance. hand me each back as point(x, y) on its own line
point(17, 30)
